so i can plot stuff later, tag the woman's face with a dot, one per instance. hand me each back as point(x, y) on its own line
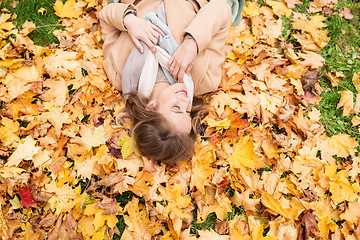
point(174, 104)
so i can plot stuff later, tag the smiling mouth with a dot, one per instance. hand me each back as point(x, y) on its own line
point(182, 92)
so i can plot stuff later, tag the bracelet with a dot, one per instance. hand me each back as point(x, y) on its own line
point(188, 35)
point(128, 11)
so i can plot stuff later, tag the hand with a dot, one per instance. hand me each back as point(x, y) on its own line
point(183, 59)
point(140, 29)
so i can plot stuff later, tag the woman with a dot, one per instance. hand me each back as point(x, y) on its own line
point(163, 121)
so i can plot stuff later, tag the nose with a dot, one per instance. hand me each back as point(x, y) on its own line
point(184, 103)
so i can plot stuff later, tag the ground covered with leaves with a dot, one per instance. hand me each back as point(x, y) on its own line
point(277, 159)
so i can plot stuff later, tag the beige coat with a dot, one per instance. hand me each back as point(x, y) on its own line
point(209, 26)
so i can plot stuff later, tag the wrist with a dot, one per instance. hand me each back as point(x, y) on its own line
point(127, 19)
point(192, 43)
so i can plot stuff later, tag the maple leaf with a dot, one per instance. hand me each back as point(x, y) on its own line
point(137, 221)
point(325, 226)
point(311, 59)
point(308, 224)
point(27, 28)
point(126, 145)
point(343, 144)
point(211, 235)
point(7, 132)
point(292, 3)
point(63, 198)
point(57, 118)
point(17, 80)
point(346, 102)
point(67, 10)
point(272, 203)
point(86, 167)
point(356, 81)
point(93, 138)
point(25, 151)
point(201, 169)
point(244, 155)
point(279, 8)
point(26, 196)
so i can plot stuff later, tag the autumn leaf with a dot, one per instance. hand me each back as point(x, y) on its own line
point(93, 138)
point(25, 151)
point(244, 155)
point(26, 197)
point(67, 10)
point(126, 145)
point(343, 144)
point(137, 220)
point(346, 102)
point(57, 118)
point(308, 225)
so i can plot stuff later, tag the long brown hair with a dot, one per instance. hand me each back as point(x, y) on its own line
point(152, 134)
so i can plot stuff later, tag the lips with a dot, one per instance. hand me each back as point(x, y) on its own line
point(182, 92)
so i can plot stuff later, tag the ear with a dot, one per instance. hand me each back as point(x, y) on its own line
point(152, 105)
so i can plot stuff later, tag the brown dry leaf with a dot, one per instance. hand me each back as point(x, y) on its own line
point(65, 228)
point(346, 13)
point(27, 28)
point(346, 102)
point(292, 3)
point(356, 81)
point(308, 225)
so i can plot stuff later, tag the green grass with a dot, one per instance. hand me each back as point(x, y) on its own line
point(342, 55)
point(45, 23)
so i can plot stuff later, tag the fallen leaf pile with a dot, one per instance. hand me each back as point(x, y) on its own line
point(263, 169)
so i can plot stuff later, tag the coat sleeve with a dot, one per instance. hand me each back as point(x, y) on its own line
point(210, 19)
point(111, 20)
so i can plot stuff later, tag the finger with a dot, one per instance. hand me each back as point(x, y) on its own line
point(171, 64)
point(150, 45)
point(175, 72)
point(138, 45)
point(188, 69)
point(181, 75)
point(153, 39)
point(159, 30)
point(156, 35)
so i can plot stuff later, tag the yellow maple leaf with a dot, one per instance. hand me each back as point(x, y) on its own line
point(279, 8)
point(325, 226)
point(63, 198)
point(137, 220)
point(174, 193)
point(211, 235)
point(126, 146)
point(57, 118)
point(343, 190)
point(256, 230)
point(17, 80)
point(25, 151)
point(244, 155)
point(343, 144)
point(346, 102)
point(25, 104)
point(100, 216)
point(251, 9)
point(272, 203)
point(7, 131)
point(67, 10)
point(93, 138)
point(356, 81)
point(221, 124)
point(201, 167)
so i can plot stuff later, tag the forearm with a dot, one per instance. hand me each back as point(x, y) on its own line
point(210, 19)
